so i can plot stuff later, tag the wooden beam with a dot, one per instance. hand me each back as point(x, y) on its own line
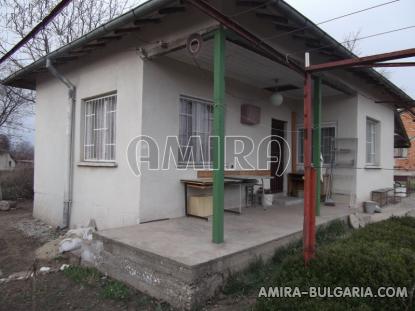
point(293, 141)
point(93, 45)
point(125, 30)
point(272, 17)
point(171, 10)
point(285, 27)
point(145, 21)
point(109, 38)
point(180, 43)
point(362, 60)
point(250, 3)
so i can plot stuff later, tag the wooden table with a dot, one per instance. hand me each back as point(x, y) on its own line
point(207, 183)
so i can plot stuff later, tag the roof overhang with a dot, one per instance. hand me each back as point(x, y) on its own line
point(281, 15)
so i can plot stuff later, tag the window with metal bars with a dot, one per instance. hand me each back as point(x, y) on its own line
point(196, 118)
point(328, 135)
point(99, 128)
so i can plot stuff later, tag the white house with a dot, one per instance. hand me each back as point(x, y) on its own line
point(135, 76)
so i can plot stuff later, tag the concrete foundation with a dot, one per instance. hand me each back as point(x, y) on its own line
point(175, 260)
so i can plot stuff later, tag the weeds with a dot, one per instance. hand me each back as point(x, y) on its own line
point(109, 289)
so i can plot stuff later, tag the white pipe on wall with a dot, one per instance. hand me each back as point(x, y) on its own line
point(69, 152)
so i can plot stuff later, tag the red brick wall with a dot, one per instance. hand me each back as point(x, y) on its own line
point(408, 163)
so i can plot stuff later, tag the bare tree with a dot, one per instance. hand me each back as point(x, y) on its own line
point(18, 17)
point(351, 42)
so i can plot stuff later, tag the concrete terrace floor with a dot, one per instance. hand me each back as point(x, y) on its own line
point(187, 240)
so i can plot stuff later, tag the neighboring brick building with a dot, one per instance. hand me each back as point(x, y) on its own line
point(405, 157)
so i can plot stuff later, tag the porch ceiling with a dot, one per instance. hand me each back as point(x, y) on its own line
point(251, 68)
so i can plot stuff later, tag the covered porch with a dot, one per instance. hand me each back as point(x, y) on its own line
point(176, 261)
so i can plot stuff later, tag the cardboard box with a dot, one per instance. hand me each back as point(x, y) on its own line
point(200, 205)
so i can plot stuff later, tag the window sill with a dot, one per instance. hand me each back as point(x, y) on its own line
point(97, 164)
point(372, 167)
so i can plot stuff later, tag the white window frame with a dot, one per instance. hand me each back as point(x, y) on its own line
point(374, 158)
point(323, 125)
point(400, 153)
point(198, 101)
point(108, 136)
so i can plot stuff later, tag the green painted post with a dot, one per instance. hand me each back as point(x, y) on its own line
point(218, 132)
point(317, 139)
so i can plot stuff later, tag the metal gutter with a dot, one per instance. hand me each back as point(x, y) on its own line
point(69, 151)
point(128, 17)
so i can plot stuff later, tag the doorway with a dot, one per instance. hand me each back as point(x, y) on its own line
point(277, 154)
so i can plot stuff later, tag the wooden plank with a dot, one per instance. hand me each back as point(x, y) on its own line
point(129, 29)
point(171, 10)
point(293, 141)
point(272, 17)
point(145, 21)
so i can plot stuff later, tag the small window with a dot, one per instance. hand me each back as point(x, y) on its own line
point(99, 130)
point(372, 142)
point(401, 153)
point(196, 120)
point(328, 134)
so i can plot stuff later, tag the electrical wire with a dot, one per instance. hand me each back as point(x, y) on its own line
point(330, 20)
point(356, 39)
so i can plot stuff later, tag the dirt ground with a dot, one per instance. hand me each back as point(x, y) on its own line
point(17, 246)
point(21, 235)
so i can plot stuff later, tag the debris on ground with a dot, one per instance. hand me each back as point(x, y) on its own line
point(63, 267)
point(37, 229)
point(6, 206)
point(44, 269)
point(49, 250)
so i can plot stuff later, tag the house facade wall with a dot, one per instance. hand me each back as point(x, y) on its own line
point(338, 111)
point(165, 80)
point(148, 95)
point(110, 195)
point(7, 163)
point(407, 163)
point(370, 178)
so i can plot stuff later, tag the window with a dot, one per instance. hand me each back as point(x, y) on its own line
point(99, 130)
point(401, 152)
point(328, 134)
point(372, 141)
point(196, 118)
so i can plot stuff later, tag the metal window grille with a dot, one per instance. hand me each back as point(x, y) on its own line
point(196, 121)
point(99, 131)
point(328, 135)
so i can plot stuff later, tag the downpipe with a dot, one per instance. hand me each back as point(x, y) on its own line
point(69, 152)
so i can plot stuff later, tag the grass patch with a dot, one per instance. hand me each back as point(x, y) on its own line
point(108, 288)
point(260, 273)
point(115, 290)
point(381, 254)
point(82, 275)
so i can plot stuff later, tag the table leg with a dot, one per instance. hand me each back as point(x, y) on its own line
point(185, 199)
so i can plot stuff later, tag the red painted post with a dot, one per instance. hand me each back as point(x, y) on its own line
point(308, 247)
point(312, 220)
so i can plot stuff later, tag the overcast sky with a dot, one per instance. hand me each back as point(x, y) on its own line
point(392, 16)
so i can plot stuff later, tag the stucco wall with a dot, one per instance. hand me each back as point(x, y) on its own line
point(164, 81)
point(369, 179)
point(110, 195)
point(340, 112)
point(7, 163)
